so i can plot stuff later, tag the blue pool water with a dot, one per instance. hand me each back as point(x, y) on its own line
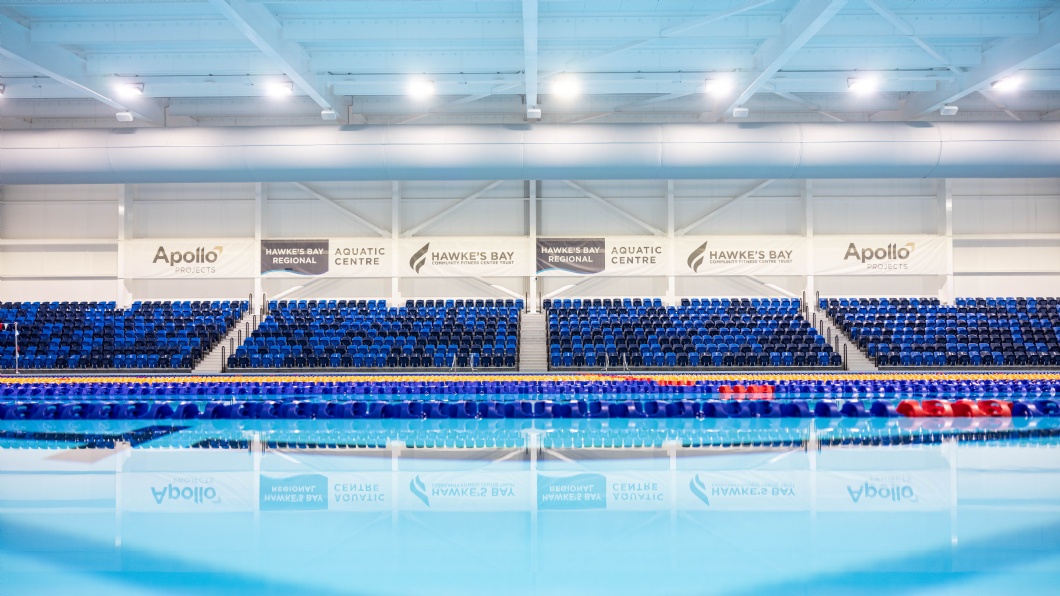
point(534, 507)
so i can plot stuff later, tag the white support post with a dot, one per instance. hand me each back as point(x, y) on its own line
point(807, 204)
point(531, 298)
point(259, 233)
point(395, 233)
point(945, 218)
point(671, 281)
point(121, 297)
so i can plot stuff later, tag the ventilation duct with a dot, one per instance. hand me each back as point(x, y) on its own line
point(532, 152)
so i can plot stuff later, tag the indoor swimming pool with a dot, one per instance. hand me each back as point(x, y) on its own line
point(824, 500)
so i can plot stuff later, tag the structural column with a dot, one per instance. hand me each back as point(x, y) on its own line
point(121, 298)
point(671, 281)
point(944, 191)
point(807, 203)
point(395, 234)
point(259, 232)
point(531, 297)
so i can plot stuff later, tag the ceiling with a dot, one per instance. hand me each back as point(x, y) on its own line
point(212, 62)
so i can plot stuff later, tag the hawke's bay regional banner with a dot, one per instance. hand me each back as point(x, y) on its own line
point(894, 254)
point(465, 257)
point(326, 257)
point(620, 255)
point(740, 255)
point(185, 258)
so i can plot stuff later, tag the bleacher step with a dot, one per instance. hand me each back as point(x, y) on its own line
point(533, 352)
point(213, 363)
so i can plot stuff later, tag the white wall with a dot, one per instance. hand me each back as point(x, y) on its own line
point(62, 241)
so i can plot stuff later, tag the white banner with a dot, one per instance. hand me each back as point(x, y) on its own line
point(879, 255)
point(465, 257)
point(190, 492)
point(360, 491)
point(185, 258)
point(885, 490)
point(335, 257)
point(740, 255)
point(618, 255)
point(744, 490)
point(464, 491)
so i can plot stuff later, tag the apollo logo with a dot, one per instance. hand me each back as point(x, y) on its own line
point(419, 489)
point(419, 259)
point(697, 486)
point(883, 492)
point(198, 256)
point(890, 252)
point(695, 259)
point(185, 494)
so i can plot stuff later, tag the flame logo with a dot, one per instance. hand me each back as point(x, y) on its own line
point(911, 245)
point(419, 489)
point(696, 258)
point(699, 489)
point(219, 249)
point(419, 259)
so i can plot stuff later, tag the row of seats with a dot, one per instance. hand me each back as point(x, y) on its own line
point(723, 333)
point(421, 334)
point(995, 332)
point(97, 335)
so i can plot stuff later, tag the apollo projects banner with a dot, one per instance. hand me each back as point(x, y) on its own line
point(879, 255)
point(186, 258)
point(629, 255)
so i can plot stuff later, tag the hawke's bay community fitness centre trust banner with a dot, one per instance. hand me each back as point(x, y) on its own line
point(517, 257)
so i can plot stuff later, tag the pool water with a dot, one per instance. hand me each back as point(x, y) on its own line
point(560, 506)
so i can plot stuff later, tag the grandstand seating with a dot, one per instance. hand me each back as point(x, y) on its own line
point(368, 334)
point(96, 335)
point(912, 332)
point(700, 333)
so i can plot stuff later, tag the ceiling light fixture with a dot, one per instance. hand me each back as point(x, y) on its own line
point(740, 112)
point(862, 84)
point(280, 89)
point(2, 89)
point(717, 86)
point(421, 88)
point(131, 89)
point(566, 87)
point(124, 116)
point(1006, 84)
point(329, 114)
point(948, 110)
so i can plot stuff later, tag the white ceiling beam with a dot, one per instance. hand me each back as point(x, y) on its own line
point(341, 209)
point(999, 104)
point(998, 62)
point(721, 208)
point(801, 24)
point(452, 208)
point(611, 206)
point(713, 18)
point(654, 100)
point(530, 52)
point(70, 70)
point(808, 105)
point(262, 29)
point(907, 30)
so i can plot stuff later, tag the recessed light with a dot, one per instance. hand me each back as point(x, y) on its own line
point(717, 86)
point(131, 89)
point(421, 88)
point(566, 87)
point(862, 84)
point(282, 89)
point(1006, 84)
